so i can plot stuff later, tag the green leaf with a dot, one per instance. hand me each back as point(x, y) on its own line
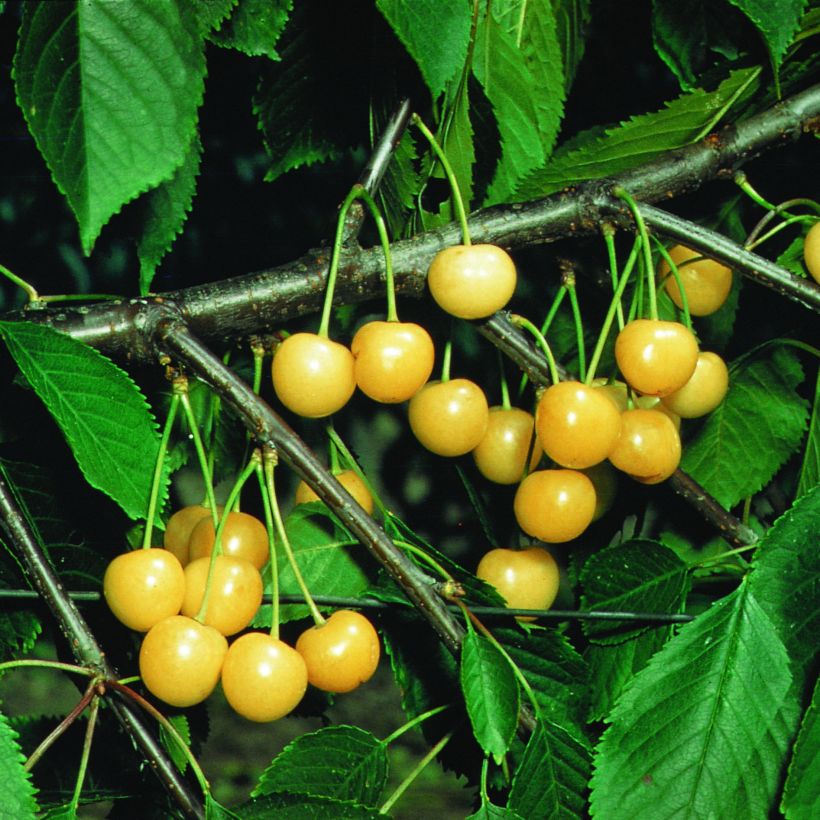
point(183, 728)
point(342, 762)
point(304, 807)
point(594, 155)
point(19, 630)
point(556, 673)
point(165, 210)
point(518, 63)
point(255, 27)
point(612, 667)
point(801, 793)
point(571, 19)
point(101, 412)
point(551, 780)
point(110, 92)
point(436, 34)
point(759, 425)
point(810, 468)
point(776, 20)
point(703, 729)
point(491, 694)
point(331, 561)
point(786, 579)
point(459, 148)
point(634, 576)
point(489, 811)
point(15, 783)
point(216, 811)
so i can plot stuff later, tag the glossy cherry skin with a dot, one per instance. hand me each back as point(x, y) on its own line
point(656, 357)
point(472, 281)
point(706, 282)
point(554, 505)
point(243, 536)
point(313, 376)
point(577, 424)
point(178, 530)
point(703, 392)
point(350, 481)
point(649, 447)
point(392, 360)
point(143, 587)
point(811, 252)
point(526, 578)
point(263, 678)
point(449, 418)
point(501, 455)
point(236, 592)
point(342, 653)
point(181, 659)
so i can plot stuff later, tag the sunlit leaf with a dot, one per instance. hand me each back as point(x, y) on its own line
point(15, 783)
point(254, 27)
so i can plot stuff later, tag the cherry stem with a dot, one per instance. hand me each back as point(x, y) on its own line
point(168, 726)
point(608, 230)
point(545, 326)
point(742, 182)
point(317, 616)
point(447, 357)
point(61, 727)
point(417, 770)
point(502, 377)
point(258, 353)
point(526, 324)
point(333, 450)
point(338, 240)
point(341, 447)
point(568, 280)
point(427, 559)
point(30, 290)
point(93, 712)
point(674, 272)
point(436, 710)
point(722, 555)
point(785, 342)
point(268, 504)
point(42, 664)
point(753, 241)
point(217, 549)
point(614, 305)
point(181, 387)
point(451, 177)
point(159, 469)
point(649, 274)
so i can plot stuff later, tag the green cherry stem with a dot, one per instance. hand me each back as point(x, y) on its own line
point(270, 466)
point(674, 272)
point(43, 664)
point(742, 182)
point(649, 276)
point(506, 404)
point(93, 712)
point(181, 387)
point(159, 469)
point(270, 526)
point(30, 290)
point(545, 326)
point(568, 279)
point(436, 710)
point(425, 558)
point(417, 770)
point(250, 467)
point(608, 230)
point(754, 241)
point(342, 449)
point(450, 174)
point(526, 324)
point(447, 358)
point(614, 305)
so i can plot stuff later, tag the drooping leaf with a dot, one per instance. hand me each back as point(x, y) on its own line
point(459, 148)
point(635, 576)
point(551, 780)
point(103, 415)
point(612, 667)
point(759, 425)
point(810, 468)
point(110, 92)
point(15, 783)
point(594, 155)
point(801, 793)
point(436, 33)
point(175, 752)
point(786, 579)
point(254, 27)
point(491, 694)
point(341, 762)
point(777, 22)
point(571, 19)
point(165, 209)
point(704, 728)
